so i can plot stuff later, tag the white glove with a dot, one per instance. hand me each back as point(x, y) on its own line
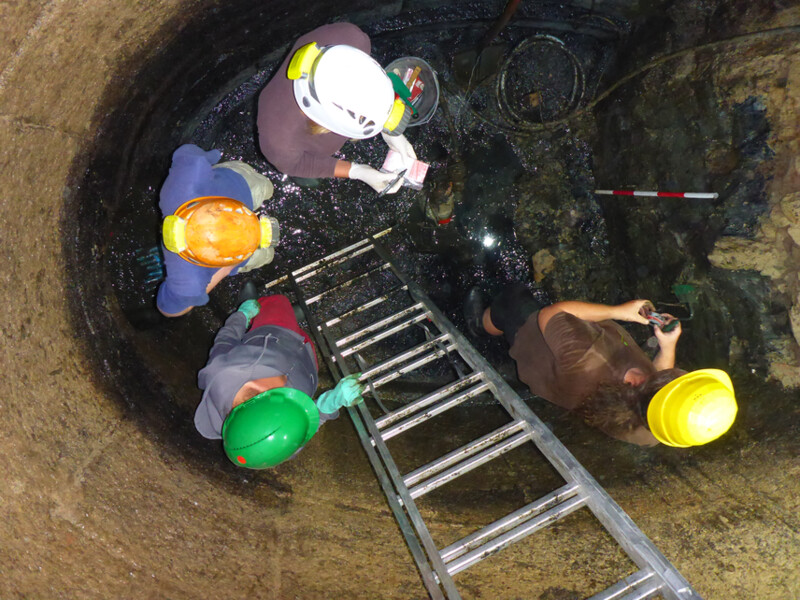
point(403, 147)
point(374, 178)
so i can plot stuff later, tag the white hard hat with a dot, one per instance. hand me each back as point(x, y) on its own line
point(345, 90)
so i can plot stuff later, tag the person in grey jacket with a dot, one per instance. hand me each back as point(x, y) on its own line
point(259, 382)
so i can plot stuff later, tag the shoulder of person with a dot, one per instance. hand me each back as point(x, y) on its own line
point(194, 152)
point(566, 324)
point(340, 33)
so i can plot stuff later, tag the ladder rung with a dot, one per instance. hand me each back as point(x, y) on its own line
point(514, 535)
point(458, 455)
point(465, 466)
point(438, 409)
point(349, 249)
point(476, 539)
point(405, 324)
point(431, 398)
point(638, 586)
point(324, 260)
point(349, 282)
point(403, 356)
point(333, 262)
point(379, 324)
point(372, 303)
point(413, 366)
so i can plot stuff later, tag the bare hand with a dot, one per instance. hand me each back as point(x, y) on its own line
point(671, 338)
point(633, 311)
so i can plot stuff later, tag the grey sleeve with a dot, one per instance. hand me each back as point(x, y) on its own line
point(325, 417)
point(230, 335)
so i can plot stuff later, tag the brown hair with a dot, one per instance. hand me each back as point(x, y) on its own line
point(621, 407)
point(316, 129)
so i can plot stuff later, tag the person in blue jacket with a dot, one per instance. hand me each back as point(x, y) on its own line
point(196, 173)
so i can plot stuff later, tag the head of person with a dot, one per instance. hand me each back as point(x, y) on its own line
point(680, 409)
point(215, 231)
point(344, 90)
point(270, 427)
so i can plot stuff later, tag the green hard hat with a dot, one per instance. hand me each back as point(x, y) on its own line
point(269, 428)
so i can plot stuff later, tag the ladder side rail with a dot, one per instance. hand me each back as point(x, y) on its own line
point(616, 521)
point(423, 535)
point(408, 531)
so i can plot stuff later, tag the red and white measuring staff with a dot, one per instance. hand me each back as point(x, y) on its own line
point(708, 195)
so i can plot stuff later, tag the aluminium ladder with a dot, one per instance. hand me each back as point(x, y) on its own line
point(342, 340)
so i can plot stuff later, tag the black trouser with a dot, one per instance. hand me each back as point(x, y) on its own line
point(511, 308)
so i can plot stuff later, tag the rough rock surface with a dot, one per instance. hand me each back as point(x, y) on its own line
point(775, 248)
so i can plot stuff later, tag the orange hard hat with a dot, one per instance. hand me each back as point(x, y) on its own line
point(215, 231)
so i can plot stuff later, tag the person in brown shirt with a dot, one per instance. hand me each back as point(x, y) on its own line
point(575, 355)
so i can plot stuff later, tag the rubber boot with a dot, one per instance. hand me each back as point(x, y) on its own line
point(475, 304)
point(248, 291)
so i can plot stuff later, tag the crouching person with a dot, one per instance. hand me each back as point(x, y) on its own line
point(210, 230)
point(259, 383)
point(575, 355)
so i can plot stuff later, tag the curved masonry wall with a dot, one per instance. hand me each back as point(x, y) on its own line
point(96, 503)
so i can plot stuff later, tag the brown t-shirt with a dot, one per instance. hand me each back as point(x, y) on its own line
point(573, 358)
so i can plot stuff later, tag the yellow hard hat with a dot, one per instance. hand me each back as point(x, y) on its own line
point(215, 231)
point(693, 409)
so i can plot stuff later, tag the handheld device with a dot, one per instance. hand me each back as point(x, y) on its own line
point(664, 322)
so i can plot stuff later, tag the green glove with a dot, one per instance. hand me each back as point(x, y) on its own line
point(250, 308)
point(346, 393)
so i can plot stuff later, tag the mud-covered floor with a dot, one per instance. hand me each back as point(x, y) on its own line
point(117, 495)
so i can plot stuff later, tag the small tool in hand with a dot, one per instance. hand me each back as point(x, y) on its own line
point(392, 183)
point(663, 321)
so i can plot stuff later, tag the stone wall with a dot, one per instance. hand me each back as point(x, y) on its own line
point(718, 115)
point(774, 250)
